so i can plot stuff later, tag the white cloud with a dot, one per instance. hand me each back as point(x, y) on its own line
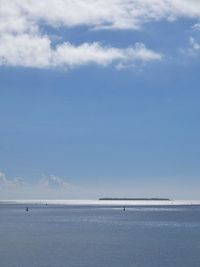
point(50, 186)
point(53, 182)
point(193, 49)
point(68, 54)
point(9, 183)
point(36, 51)
point(24, 43)
point(194, 45)
point(25, 50)
point(196, 27)
point(119, 14)
point(50, 181)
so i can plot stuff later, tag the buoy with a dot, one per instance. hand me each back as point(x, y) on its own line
point(124, 208)
point(27, 209)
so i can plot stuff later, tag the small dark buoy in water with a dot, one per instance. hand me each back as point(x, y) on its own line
point(27, 209)
point(124, 208)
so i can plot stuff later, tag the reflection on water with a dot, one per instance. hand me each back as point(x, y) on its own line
point(59, 235)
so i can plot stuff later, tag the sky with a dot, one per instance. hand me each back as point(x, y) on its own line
point(99, 99)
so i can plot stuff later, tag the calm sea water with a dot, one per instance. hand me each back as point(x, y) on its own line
point(63, 236)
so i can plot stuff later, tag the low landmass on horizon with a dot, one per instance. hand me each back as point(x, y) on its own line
point(116, 198)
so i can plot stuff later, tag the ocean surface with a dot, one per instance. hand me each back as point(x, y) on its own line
point(99, 236)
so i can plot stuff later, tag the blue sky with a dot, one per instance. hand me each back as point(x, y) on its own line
point(97, 104)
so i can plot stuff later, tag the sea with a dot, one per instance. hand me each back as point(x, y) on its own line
point(98, 234)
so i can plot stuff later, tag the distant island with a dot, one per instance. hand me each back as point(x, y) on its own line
point(146, 199)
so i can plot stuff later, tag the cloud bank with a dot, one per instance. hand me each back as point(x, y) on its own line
point(24, 42)
point(25, 15)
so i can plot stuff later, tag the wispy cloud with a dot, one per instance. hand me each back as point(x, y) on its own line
point(48, 186)
point(196, 27)
point(6, 183)
point(193, 48)
point(194, 45)
point(36, 51)
point(53, 182)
